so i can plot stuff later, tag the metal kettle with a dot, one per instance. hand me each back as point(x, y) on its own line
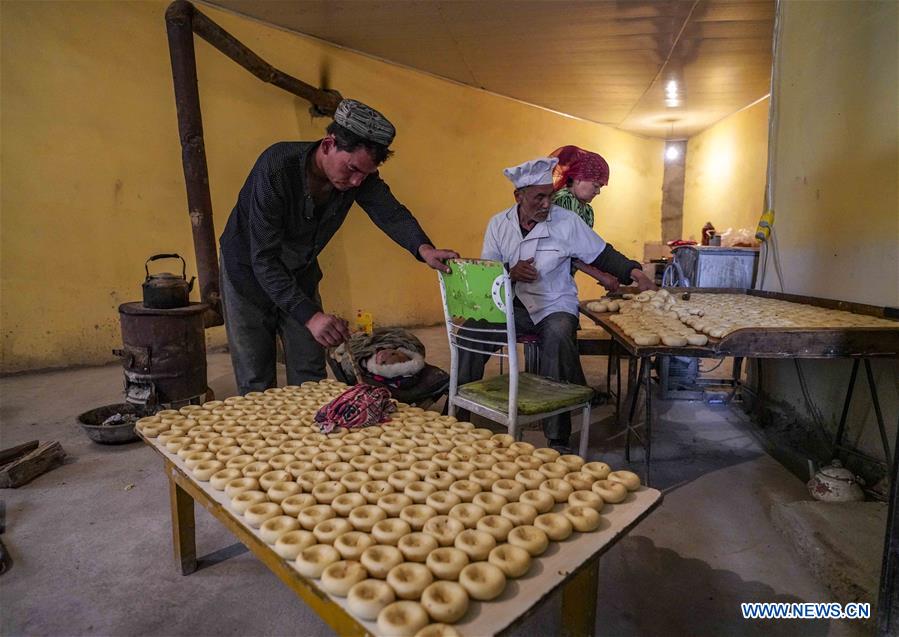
point(165, 290)
point(835, 483)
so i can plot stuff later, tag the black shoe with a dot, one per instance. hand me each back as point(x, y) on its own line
point(561, 446)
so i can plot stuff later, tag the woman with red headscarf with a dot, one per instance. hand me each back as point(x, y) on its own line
point(577, 179)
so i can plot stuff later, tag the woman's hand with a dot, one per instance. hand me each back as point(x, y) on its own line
point(643, 282)
point(608, 281)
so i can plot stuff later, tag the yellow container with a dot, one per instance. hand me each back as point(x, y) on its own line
point(364, 322)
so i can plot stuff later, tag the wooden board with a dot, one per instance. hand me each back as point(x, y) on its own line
point(561, 562)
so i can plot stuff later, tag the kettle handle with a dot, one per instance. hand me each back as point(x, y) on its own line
point(156, 257)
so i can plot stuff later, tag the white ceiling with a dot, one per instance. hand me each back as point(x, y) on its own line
point(607, 61)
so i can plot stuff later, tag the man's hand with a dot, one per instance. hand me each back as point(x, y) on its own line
point(643, 282)
point(435, 258)
point(328, 330)
point(524, 271)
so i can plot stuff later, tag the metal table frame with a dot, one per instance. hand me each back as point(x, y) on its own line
point(860, 344)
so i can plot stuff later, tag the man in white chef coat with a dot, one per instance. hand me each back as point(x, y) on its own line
point(537, 241)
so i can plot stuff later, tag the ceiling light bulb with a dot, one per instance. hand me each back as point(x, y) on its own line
point(671, 87)
point(672, 153)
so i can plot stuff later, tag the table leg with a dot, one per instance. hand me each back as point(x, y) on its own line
point(183, 527)
point(617, 382)
point(635, 380)
point(647, 428)
point(841, 427)
point(579, 602)
point(879, 414)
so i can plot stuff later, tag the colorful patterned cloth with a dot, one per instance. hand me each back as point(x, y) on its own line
point(564, 198)
point(359, 406)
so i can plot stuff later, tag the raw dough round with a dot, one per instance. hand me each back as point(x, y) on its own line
point(583, 519)
point(313, 560)
point(290, 544)
point(329, 530)
point(540, 500)
point(390, 531)
point(258, 513)
point(443, 501)
point(416, 547)
point(275, 527)
point(409, 579)
point(609, 491)
point(445, 601)
point(444, 529)
point(556, 526)
point(586, 498)
point(475, 544)
point(512, 560)
point(417, 514)
point(492, 503)
point(483, 581)
point(558, 489)
point(294, 504)
point(467, 513)
point(519, 514)
point(351, 545)
point(437, 630)
point(446, 562)
point(629, 479)
point(367, 598)
point(497, 526)
point(364, 517)
point(402, 619)
point(530, 538)
point(378, 560)
point(338, 578)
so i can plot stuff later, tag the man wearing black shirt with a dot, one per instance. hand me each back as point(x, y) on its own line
point(294, 200)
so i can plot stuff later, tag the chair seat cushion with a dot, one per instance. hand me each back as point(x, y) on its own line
point(536, 394)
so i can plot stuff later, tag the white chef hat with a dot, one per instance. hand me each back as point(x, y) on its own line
point(537, 172)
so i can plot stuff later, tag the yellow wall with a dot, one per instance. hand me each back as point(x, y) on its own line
point(837, 151)
point(92, 183)
point(835, 191)
point(725, 173)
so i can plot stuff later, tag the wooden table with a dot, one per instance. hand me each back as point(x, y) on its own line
point(572, 565)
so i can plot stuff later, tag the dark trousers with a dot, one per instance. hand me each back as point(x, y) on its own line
point(251, 338)
point(559, 359)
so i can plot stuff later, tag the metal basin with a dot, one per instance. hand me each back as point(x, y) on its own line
point(112, 434)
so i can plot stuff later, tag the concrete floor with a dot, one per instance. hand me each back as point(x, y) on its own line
point(92, 548)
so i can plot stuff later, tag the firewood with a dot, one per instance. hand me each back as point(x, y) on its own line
point(21, 471)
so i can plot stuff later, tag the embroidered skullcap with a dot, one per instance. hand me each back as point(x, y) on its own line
point(365, 122)
point(537, 172)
